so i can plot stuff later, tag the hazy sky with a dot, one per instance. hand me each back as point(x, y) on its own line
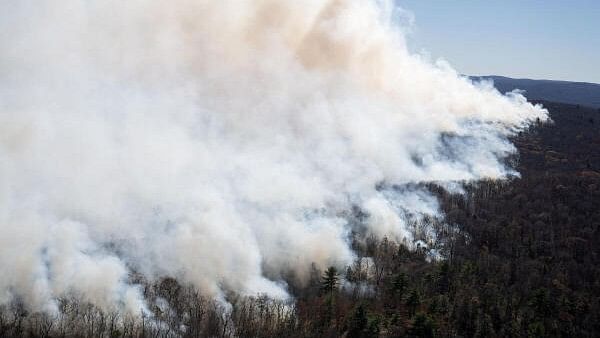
point(540, 39)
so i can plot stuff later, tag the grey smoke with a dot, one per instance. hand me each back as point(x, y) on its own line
point(220, 142)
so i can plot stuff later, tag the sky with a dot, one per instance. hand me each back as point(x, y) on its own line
point(538, 39)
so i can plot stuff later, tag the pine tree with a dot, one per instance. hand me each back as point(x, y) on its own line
point(400, 284)
point(423, 326)
point(329, 281)
point(444, 278)
point(358, 322)
point(413, 301)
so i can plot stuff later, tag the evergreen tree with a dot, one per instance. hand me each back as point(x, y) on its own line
point(358, 322)
point(400, 284)
point(413, 301)
point(423, 326)
point(444, 278)
point(329, 281)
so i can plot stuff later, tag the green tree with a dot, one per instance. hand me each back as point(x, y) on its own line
point(413, 301)
point(329, 281)
point(444, 278)
point(540, 302)
point(536, 329)
point(423, 326)
point(358, 322)
point(400, 284)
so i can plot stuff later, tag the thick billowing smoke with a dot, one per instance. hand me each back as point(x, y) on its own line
point(221, 143)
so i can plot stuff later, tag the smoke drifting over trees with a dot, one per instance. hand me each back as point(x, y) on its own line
point(221, 143)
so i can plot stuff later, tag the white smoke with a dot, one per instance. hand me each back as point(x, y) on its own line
point(220, 142)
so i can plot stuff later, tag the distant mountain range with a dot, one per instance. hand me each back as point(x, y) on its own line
point(582, 93)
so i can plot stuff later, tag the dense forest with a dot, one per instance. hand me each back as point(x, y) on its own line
point(517, 258)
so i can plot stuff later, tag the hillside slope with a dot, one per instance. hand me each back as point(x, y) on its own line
point(582, 93)
point(522, 259)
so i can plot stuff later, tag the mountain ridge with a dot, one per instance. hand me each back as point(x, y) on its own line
point(570, 92)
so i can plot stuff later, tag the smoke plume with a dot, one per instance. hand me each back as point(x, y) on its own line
point(221, 143)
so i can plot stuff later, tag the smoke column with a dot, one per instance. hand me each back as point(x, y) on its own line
point(220, 142)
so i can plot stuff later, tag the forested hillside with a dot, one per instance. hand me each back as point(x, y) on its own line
point(520, 259)
point(583, 93)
